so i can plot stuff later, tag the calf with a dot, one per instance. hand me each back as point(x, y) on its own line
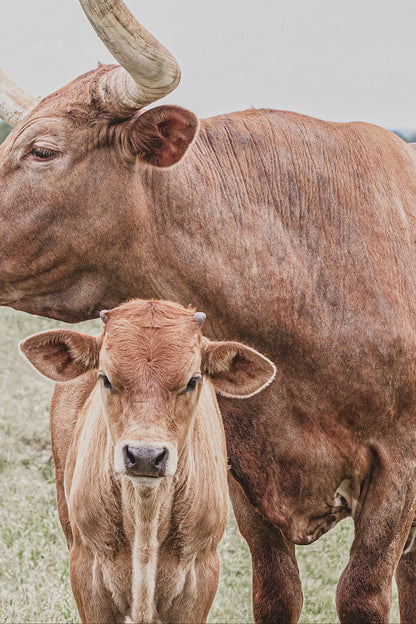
point(140, 457)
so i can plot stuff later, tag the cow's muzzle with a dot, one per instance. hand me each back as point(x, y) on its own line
point(145, 461)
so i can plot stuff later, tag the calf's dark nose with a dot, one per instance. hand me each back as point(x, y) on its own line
point(145, 461)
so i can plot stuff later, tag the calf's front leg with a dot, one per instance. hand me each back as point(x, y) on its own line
point(94, 601)
point(186, 590)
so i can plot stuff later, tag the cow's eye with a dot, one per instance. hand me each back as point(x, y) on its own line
point(41, 153)
point(106, 382)
point(192, 383)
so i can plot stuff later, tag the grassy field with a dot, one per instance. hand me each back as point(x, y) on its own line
point(34, 579)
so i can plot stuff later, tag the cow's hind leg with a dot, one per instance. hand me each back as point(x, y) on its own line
point(94, 601)
point(277, 591)
point(382, 522)
point(406, 578)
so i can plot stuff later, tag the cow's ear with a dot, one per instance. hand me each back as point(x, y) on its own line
point(161, 135)
point(61, 354)
point(235, 369)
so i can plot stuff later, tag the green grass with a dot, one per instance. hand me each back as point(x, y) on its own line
point(34, 579)
point(5, 130)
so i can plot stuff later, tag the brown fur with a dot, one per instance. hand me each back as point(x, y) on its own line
point(293, 234)
point(141, 548)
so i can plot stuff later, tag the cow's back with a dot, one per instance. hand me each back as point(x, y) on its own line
point(322, 278)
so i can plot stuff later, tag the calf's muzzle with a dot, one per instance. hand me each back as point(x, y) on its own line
point(145, 461)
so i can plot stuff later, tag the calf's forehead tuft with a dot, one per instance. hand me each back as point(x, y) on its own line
point(145, 340)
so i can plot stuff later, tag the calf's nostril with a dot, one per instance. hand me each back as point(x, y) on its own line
point(129, 459)
point(145, 460)
point(162, 459)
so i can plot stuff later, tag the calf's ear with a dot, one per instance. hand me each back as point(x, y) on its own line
point(61, 354)
point(161, 135)
point(235, 369)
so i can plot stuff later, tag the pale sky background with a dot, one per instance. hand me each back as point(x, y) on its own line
point(332, 59)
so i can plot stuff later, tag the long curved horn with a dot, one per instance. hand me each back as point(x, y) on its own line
point(148, 72)
point(14, 102)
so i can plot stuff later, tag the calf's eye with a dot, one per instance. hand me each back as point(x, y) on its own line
point(106, 382)
point(192, 383)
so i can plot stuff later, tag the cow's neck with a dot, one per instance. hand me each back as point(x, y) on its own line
point(199, 248)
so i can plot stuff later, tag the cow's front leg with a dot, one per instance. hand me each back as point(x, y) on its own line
point(406, 578)
point(382, 523)
point(277, 591)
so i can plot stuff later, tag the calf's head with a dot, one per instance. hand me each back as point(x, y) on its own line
point(151, 362)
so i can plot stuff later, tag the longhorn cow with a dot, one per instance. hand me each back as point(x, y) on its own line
point(296, 236)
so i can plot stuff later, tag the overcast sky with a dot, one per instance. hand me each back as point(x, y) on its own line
point(333, 59)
